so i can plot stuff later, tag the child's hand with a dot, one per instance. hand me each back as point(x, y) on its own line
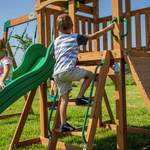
point(2, 85)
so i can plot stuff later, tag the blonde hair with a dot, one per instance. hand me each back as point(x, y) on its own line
point(64, 22)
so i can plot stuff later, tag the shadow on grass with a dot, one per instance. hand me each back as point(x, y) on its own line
point(106, 140)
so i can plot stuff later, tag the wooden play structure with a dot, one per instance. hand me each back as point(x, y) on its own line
point(85, 16)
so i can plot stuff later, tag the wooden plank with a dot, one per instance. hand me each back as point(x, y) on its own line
point(97, 100)
point(105, 41)
point(28, 142)
point(139, 53)
point(89, 32)
point(47, 29)
point(72, 10)
point(43, 110)
point(86, 9)
point(128, 10)
point(23, 19)
point(55, 8)
point(22, 119)
point(83, 32)
point(138, 31)
point(55, 27)
point(40, 29)
point(139, 130)
point(147, 27)
point(92, 69)
point(46, 3)
point(108, 106)
point(61, 145)
point(95, 57)
point(54, 139)
point(96, 25)
point(120, 89)
point(140, 71)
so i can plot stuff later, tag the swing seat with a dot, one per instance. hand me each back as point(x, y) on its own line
point(37, 67)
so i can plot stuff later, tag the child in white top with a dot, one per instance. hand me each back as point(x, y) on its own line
point(5, 63)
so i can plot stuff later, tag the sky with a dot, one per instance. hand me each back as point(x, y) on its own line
point(13, 8)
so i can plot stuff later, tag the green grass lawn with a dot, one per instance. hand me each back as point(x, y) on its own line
point(137, 115)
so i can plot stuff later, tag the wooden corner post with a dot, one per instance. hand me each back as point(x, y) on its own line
point(128, 9)
point(72, 9)
point(121, 93)
point(96, 24)
point(43, 91)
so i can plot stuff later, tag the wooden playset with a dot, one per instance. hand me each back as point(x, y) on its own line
point(85, 16)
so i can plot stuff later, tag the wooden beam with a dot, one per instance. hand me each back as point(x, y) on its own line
point(86, 9)
point(28, 142)
point(128, 10)
point(61, 145)
point(120, 89)
point(23, 119)
point(43, 110)
point(95, 57)
point(55, 8)
point(23, 19)
point(96, 25)
point(46, 3)
point(147, 27)
point(72, 10)
point(97, 100)
point(138, 30)
point(47, 29)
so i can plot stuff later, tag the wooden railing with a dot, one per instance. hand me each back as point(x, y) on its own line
point(138, 37)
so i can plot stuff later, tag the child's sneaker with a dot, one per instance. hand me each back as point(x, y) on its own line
point(82, 101)
point(66, 127)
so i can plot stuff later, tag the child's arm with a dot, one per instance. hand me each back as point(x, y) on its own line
point(101, 32)
point(5, 75)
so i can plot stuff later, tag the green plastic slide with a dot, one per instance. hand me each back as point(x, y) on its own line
point(36, 68)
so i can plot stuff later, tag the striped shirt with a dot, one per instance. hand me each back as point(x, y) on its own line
point(66, 48)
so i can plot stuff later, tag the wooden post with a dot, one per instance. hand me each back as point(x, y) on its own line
point(47, 30)
point(128, 9)
point(121, 98)
point(23, 119)
point(97, 100)
point(138, 31)
point(43, 87)
point(72, 9)
point(96, 25)
point(147, 27)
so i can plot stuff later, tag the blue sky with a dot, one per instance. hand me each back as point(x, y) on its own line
point(13, 8)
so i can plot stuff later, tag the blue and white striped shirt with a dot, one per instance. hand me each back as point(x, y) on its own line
point(66, 48)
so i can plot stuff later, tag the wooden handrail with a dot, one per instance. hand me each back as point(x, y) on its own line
point(46, 3)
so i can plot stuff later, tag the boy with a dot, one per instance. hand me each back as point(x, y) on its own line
point(66, 48)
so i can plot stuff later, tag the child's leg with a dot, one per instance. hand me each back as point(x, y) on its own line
point(85, 84)
point(63, 107)
point(53, 87)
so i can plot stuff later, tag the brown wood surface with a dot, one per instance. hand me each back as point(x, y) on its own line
point(140, 68)
point(91, 130)
point(22, 119)
point(138, 31)
point(120, 82)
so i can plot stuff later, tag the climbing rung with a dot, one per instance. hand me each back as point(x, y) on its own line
point(76, 132)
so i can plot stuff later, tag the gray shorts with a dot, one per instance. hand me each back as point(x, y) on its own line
point(64, 80)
